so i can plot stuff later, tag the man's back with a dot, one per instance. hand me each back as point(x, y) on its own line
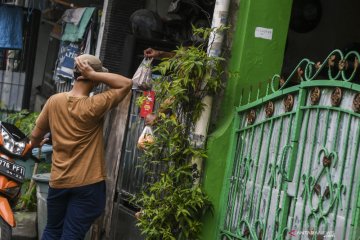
point(77, 192)
point(76, 124)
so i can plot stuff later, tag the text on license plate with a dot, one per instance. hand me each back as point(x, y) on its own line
point(12, 170)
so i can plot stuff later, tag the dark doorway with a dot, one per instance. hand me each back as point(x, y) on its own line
point(317, 27)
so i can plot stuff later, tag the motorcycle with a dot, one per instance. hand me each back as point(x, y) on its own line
point(13, 145)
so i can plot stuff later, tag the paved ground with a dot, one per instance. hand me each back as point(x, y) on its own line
point(26, 226)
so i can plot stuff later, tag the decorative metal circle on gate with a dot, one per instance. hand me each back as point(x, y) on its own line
point(260, 236)
point(251, 116)
point(326, 193)
point(289, 102)
point(336, 97)
point(356, 103)
point(326, 161)
point(343, 64)
point(317, 189)
point(315, 95)
point(246, 232)
point(269, 109)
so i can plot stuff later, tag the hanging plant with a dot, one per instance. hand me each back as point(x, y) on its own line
point(172, 205)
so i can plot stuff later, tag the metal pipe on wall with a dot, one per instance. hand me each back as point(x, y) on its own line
point(101, 28)
point(214, 49)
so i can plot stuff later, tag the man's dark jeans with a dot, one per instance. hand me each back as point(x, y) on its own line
point(71, 211)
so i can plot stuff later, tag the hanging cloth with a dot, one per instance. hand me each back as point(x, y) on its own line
point(66, 61)
point(73, 33)
point(11, 27)
point(73, 15)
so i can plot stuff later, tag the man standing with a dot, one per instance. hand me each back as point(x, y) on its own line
point(77, 182)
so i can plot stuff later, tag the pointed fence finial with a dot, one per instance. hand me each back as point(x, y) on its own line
point(242, 95)
point(250, 92)
point(258, 91)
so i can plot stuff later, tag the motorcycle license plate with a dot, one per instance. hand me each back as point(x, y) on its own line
point(12, 170)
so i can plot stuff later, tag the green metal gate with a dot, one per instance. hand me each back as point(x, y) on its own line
point(292, 172)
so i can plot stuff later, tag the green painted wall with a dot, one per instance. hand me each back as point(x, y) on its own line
point(254, 60)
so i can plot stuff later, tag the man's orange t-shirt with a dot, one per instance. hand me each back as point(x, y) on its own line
point(76, 125)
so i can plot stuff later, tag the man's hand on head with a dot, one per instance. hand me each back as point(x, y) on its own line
point(84, 68)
